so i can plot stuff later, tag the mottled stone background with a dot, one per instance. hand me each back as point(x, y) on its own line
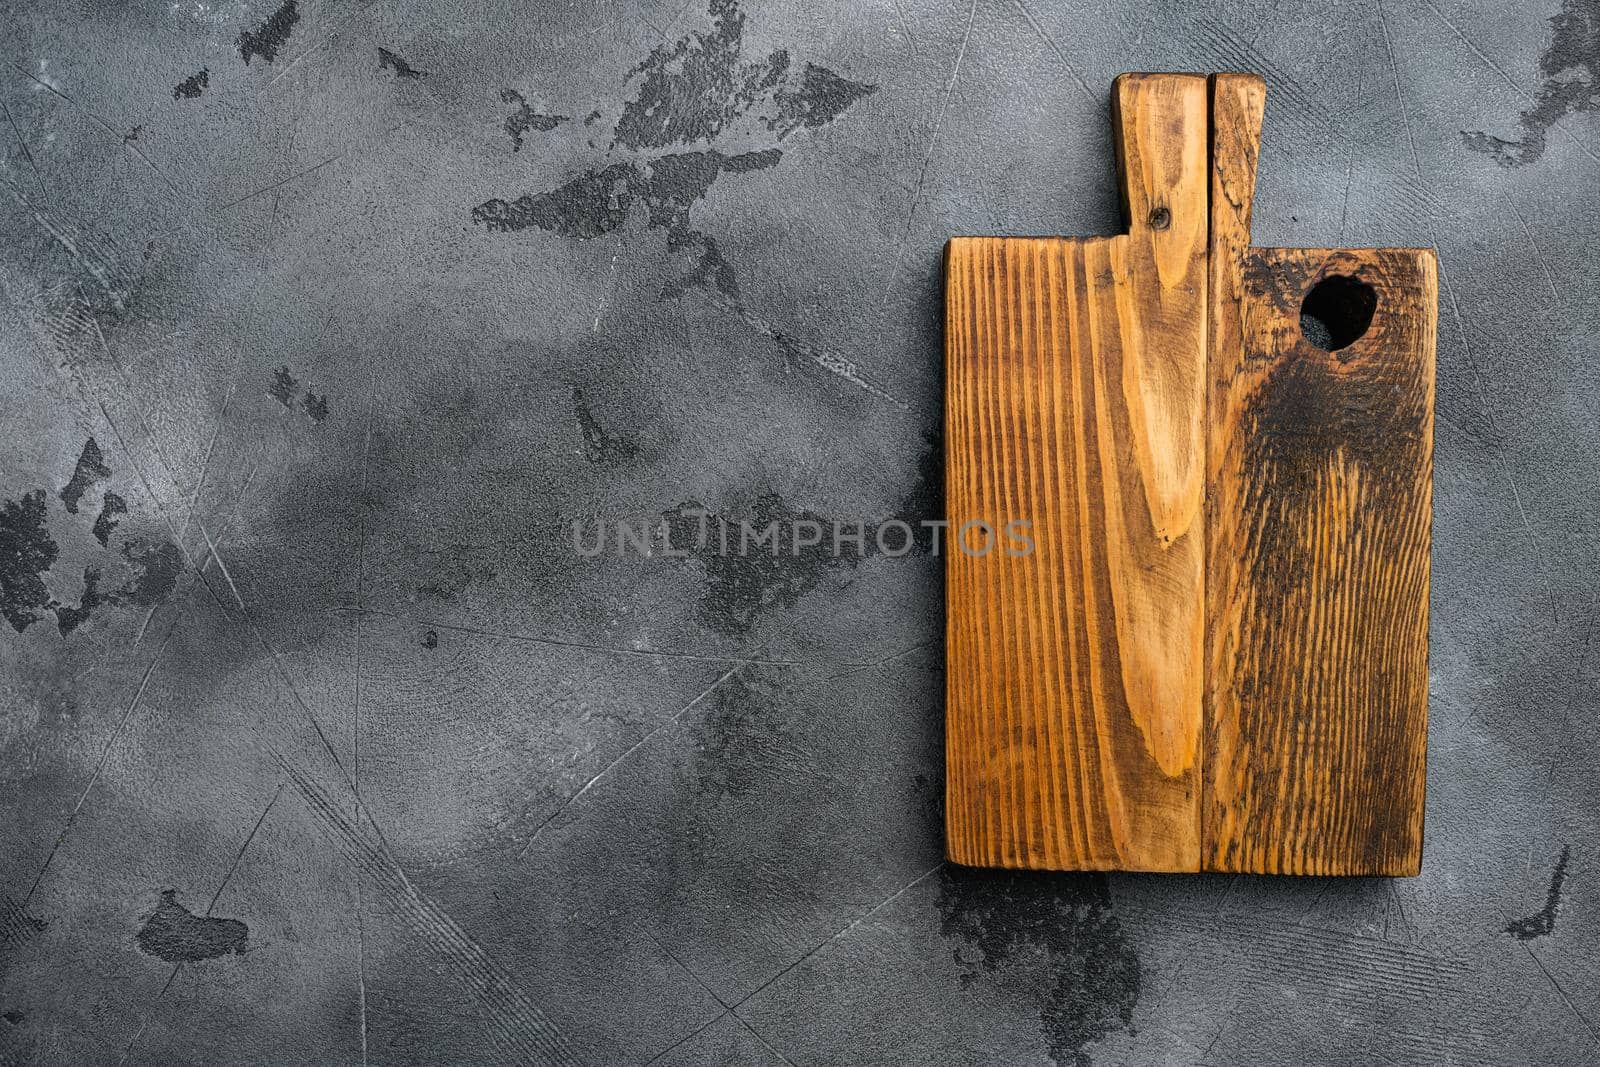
point(323, 322)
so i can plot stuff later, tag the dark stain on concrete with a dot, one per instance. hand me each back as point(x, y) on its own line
point(155, 572)
point(105, 524)
point(667, 187)
point(730, 728)
point(525, 118)
point(741, 585)
point(67, 617)
point(430, 639)
point(588, 206)
point(177, 935)
point(708, 269)
point(689, 92)
point(387, 60)
point(600, 447)
point(748, 161)
point(439, 551)
point(692, 89)
point(597, 202)
point(26, 552)
point(821, 98)
point(925, 499)
point(267, 39)
point(152, 572)
point(1090, 977)
point(1542, 922)
point(451, 572)
point(743, 740)
point(1570, 67)
point(91, 468)
point(674, 183)
point(283, 387)
point(192, 86)
point(744, 577)
point(315, 406)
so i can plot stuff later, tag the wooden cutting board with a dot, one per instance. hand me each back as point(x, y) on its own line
point(1214, 654)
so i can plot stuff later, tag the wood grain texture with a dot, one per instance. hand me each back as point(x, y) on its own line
point(1075, 398)
point(1318, 574)
point(1216, 656)
point(1318, 531)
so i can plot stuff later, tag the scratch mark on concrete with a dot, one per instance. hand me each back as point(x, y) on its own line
point(238, 857)
point(26, 153)
point(814, 951)
point(835, 364)
point(226, 878)
point(515, 1023)
point(1044, 35)
point(1573, 1008)
point(188, 561)
point(115, 283)
point(645, 653)
point(145, 1022)
point(1533, 542)
point(845, 931)
point(1538, 254)
point(712, 993)
point(905, 27)
point(1399, 94)
point(927, 156)
point(356, 678)
point(670, 721)
point(119, 135)
point(1466, 343)
point(100, 764)
point(279, 184)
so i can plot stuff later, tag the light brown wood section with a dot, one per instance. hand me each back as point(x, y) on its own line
point(1075, 397)
point(1215, 657)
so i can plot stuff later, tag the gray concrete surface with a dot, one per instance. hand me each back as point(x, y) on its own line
point(319, 741)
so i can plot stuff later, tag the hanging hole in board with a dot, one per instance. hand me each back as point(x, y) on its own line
point(1337, 312)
